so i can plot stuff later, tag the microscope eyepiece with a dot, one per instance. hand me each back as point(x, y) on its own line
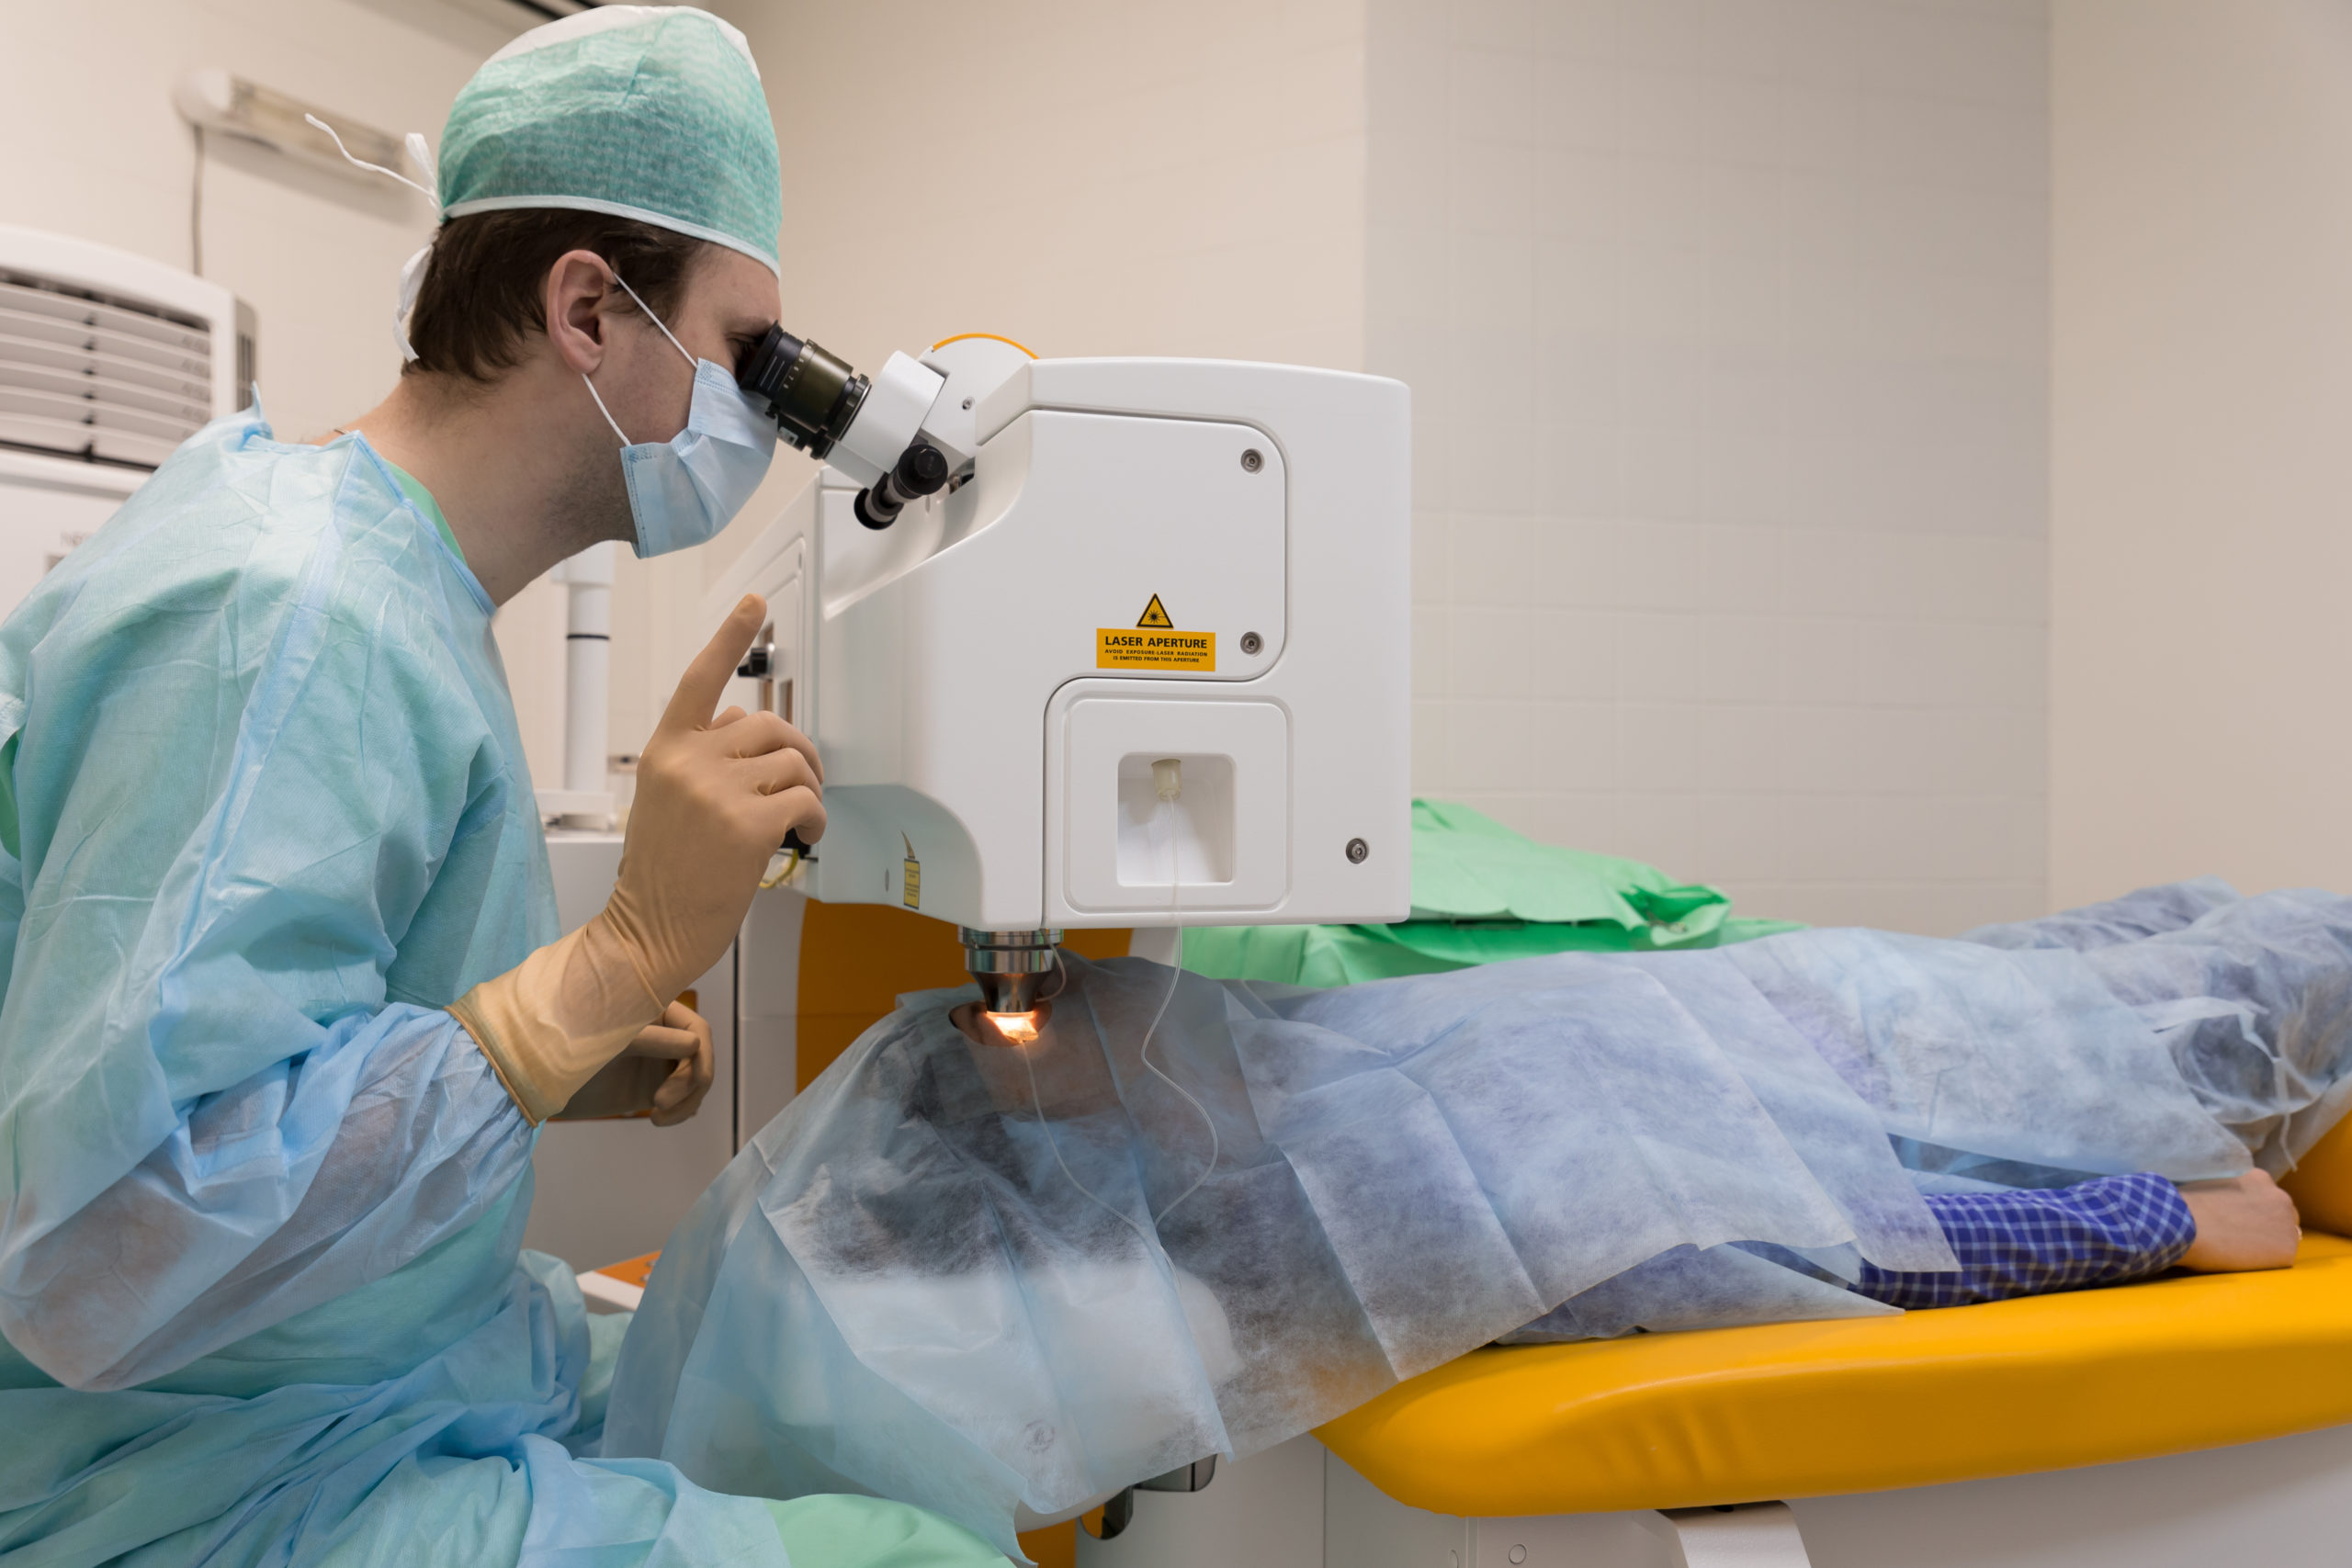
point(812, 396)
point(921, 470)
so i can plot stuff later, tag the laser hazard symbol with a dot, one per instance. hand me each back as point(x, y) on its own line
point(1154, 642)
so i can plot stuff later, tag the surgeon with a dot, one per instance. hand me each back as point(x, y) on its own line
point(286, 1002)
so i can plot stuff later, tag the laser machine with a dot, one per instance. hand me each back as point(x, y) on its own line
point(1090, 642)
point(1025, 600)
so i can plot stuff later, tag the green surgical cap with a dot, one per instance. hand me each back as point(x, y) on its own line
point(651, 112)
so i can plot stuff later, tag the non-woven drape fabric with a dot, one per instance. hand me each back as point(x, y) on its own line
point(261, 1199)
point(913, 1282)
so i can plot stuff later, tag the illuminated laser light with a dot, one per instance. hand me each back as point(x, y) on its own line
point(1020, 1028)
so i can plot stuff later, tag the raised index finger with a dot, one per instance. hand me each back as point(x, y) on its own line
point(706, 678)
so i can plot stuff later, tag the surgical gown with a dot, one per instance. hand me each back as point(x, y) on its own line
point(261, 1200)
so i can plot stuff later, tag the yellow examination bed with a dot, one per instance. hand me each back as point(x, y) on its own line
point(1586, 1454)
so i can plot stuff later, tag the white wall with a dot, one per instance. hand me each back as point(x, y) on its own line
point(2202, 462)
point(1726, 326)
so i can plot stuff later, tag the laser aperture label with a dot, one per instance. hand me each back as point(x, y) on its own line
point(1144, 648)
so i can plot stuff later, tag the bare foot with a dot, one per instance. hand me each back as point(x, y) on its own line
point(2243, 1223)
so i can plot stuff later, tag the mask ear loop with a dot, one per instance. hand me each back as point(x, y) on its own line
point(618, 433)
point(665, 332)
point(651, 317)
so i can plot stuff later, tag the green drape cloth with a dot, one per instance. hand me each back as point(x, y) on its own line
point(1482, 894)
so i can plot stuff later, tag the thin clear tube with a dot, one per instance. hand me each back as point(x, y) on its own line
point(1175, 974)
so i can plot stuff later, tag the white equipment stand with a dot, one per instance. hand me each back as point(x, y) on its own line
point(2281, 1503)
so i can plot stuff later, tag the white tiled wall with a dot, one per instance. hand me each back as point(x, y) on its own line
point(1727, 327)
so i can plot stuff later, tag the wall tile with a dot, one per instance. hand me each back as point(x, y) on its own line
point(1576, 105)
point(1572, 655)
point(1729, 329)
point(1491, 743)
point(1493, 93)
point(1583, 32)
point(1489, 654)
point(1569, 749)
point(1490, 554)
point(1432, 649)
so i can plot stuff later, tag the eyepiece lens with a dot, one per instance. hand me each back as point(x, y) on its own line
point(812, 395)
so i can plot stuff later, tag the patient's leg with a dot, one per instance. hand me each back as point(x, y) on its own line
point(2151, 911)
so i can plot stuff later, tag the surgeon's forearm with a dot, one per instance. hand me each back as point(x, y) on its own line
point(204, 1242)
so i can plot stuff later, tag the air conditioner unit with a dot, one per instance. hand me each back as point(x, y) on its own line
point(107, 362)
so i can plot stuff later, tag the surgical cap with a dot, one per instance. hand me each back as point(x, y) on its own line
point(649, 112)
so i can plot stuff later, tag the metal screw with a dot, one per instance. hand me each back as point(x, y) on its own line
point(1357, 851)
point(1252, 460)
point(968, 402)
point(1251, 642)
point(1519, 1555)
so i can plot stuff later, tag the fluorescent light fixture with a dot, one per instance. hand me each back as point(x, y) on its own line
point(230, 106)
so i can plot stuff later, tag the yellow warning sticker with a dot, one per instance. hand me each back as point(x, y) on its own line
point(911, 882)
point(1153, 616)
point(1138, 647)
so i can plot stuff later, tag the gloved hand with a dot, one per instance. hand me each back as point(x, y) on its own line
point(662, 1074)
point(715, 797)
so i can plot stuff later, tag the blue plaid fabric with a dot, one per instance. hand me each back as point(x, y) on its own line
point(2028, 1243)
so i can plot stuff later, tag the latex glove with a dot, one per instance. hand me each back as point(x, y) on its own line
point(714, 797)
point(662, 1074)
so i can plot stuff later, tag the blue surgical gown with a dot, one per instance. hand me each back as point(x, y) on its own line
point(261, 1200)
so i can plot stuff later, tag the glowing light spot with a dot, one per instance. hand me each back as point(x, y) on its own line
point(1020, 1028)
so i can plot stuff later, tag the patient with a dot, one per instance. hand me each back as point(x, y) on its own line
point(992, 1281)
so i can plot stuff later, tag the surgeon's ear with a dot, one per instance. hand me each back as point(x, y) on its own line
point(579, 291)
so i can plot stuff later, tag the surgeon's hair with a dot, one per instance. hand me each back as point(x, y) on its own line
point(484, 296)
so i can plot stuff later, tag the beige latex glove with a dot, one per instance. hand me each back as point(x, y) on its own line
point(714, 797)
point(663, 1074)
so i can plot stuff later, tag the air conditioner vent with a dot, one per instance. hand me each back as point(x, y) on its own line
point(98, 376)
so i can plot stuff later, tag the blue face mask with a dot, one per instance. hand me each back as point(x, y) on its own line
point(684, 490)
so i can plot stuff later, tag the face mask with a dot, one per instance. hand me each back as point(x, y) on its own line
point(684, 490)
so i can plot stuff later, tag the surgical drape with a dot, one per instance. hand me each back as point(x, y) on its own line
point(935, 1279)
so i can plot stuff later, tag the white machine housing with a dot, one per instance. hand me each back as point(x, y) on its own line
point(980, 680)
point(107, 362)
